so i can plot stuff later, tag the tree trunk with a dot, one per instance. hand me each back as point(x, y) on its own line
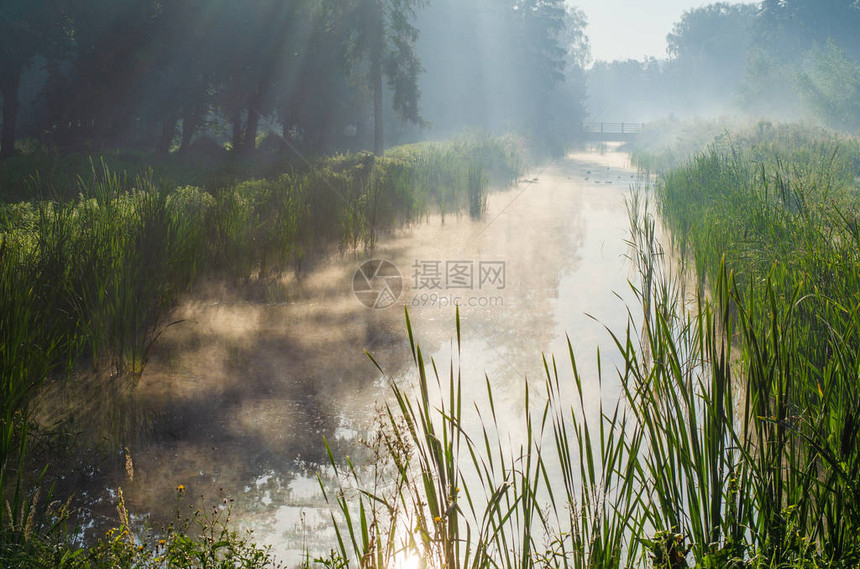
point(168, 131)
point(376, 53)
point(236, 119)
point(10, 81)
point(250, 139)
point(189, 127)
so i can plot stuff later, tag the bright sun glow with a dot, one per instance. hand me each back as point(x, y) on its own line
point(408, 561)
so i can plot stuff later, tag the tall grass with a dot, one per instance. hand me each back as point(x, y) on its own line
point(451, 498)
point(707, 458)
point(734, 443)
point(777, 210)
point(87, 284)
point(96, 276)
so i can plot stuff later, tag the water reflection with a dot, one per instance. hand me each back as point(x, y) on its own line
point(243, 392)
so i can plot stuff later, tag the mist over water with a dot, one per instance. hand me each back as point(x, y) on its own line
point(204, 298)
point(242, 392)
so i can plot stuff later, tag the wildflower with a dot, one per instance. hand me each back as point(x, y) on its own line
point(437, 519)
point(180, 488)
point(161, 542)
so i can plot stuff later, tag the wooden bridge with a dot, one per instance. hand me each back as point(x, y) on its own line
point(609, 131)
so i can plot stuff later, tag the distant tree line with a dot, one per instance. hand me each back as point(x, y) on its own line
point(778, 57)
point(505, 66)
point(324, 74)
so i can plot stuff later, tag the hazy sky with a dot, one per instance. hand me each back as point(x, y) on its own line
point(622, 29)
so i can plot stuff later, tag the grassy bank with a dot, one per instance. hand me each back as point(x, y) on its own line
point(86, 284)
point(735, 443)
point(93, 277)
point(668, 144)
point(776, 207)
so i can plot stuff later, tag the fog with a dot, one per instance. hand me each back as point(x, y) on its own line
point(245, 375)
point(308, 72)
point(502, 68)
point(787, 60)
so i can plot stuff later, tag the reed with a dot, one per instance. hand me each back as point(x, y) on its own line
point(88, 283)
point(734, 444)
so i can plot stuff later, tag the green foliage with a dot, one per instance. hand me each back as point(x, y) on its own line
point(768, 86)
point(707, 49)
point(777, 209)
point(201, 538)
point(669, 143)
point(467, 499)
point(790, 28)
point(735, 441)
point(41, 175)
point(93, 279)
point(830, 87)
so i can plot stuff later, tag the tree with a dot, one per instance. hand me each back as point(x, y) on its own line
point(539, 27)
point(788, 29)
point(96, 98)
point(829, 86)
point(383, 42)
point(314, 96)
point(768, 86)
point(707, 49)
point(789, 68)
point(181, 77)
point(28, 28)
point(630, 89)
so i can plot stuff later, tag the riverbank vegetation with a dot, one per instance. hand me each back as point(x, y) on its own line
point(774, 208)
point(88, 283)
point(147, 148)
point(735, 442)
point(151, 148)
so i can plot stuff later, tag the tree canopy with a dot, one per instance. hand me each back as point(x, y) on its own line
point(777, 58)
point(322, 74)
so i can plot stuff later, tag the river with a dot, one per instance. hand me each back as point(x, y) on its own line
point(242, 392)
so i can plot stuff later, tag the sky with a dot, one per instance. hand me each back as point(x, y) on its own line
point(632, 29)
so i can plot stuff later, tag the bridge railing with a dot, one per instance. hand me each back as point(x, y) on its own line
point(612, 127)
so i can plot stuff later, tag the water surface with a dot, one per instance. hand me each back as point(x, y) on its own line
point(243, 391)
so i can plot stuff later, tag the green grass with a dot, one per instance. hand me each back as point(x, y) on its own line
point(735, 443)
point(736, 439)
point(669, 143)
point(776, 209)
point(88, 282)
point(95, 276)
point(40, 174)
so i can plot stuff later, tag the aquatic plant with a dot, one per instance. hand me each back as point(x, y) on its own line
point(734, 444)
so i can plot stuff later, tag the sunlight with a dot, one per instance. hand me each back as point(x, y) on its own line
point(408, 560)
